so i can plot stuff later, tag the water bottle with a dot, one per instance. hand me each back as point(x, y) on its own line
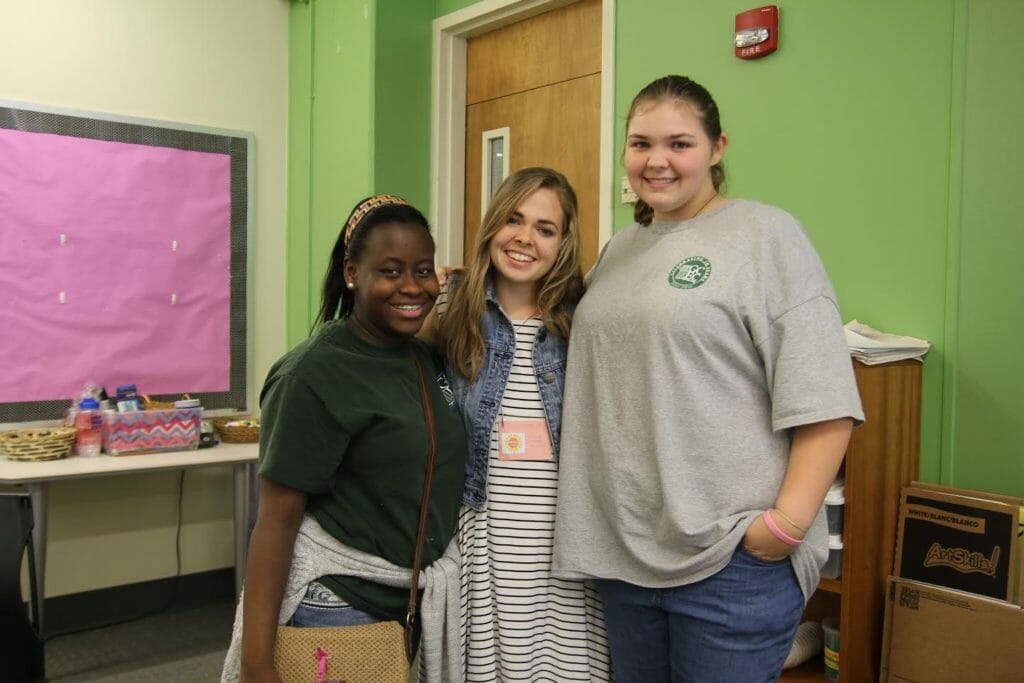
point(88, 427)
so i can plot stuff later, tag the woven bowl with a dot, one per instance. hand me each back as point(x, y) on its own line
point(149, 404)
point(49, 443)
point(239, 429)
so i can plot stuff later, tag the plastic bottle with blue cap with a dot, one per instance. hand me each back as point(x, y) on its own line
point(88, 428)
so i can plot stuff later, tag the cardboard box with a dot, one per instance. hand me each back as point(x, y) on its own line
point(937, 635)
point(960, 539)
point(1015, 501)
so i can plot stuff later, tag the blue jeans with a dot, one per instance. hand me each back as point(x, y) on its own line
point(734, 627)
point(320, 606)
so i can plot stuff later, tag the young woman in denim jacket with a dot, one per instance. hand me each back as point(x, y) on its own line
point(504, 329)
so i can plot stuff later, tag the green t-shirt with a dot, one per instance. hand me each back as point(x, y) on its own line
point(342, 421)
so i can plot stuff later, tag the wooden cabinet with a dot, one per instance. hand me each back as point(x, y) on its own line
point(881, 459)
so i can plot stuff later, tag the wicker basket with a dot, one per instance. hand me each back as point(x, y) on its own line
point(242, 429)
point(149, 404)
point(48, 443)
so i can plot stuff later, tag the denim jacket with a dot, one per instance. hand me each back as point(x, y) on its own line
point(480, 399)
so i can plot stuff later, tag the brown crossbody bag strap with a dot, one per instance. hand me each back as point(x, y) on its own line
point(421, 531)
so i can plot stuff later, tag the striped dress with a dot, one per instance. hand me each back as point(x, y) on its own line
point(518, 622)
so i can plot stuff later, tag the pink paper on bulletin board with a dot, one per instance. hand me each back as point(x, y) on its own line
point(115, 267)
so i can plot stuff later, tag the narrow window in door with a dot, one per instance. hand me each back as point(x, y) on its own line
point(495, 164)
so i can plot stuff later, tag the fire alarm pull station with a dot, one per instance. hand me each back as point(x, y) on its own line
point(757, 32)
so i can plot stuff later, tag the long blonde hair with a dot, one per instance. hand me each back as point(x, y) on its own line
point(461, 330)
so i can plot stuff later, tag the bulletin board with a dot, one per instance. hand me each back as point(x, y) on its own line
point(123, 259)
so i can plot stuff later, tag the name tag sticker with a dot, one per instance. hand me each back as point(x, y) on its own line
point(524, 440)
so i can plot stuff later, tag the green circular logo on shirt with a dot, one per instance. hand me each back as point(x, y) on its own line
point(693, 272)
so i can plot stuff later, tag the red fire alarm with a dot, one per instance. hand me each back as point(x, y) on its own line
point(757, 32)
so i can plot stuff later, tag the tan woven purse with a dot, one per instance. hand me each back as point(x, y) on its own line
point(371, 653)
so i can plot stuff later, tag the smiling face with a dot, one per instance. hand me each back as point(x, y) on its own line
point(524, 250)
point(395, 283)
point(668, 159)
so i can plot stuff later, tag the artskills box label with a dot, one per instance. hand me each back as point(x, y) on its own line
point(960, 541)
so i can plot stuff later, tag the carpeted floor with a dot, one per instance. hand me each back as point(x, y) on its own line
point(179, 645)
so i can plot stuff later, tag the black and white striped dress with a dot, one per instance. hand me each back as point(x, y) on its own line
point(518, 622)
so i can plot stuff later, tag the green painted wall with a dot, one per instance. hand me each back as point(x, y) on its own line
point(443, 7)
point(331, 150)
point(851, 135)
point(987, 417)
point(402, 96)
point(887, 128)
point(300, 107)
point(359, 123)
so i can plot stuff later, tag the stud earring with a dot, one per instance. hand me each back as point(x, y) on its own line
point(351, 285)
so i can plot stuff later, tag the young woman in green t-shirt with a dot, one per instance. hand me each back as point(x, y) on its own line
point(344, 445)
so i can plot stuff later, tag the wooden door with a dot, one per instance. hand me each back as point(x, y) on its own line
point(540, 78)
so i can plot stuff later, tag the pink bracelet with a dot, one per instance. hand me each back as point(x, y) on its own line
point(779, 533)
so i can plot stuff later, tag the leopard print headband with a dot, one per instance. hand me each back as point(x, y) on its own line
point(365, 207)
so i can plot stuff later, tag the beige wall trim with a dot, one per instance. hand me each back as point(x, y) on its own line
point(448, 111)
point(608, 152)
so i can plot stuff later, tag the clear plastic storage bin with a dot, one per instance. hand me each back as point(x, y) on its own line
point(835, 501)
point(151, 431)
point(834, 565)
point(830, 627)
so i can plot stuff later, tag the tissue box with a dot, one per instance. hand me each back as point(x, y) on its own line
point(151, 431)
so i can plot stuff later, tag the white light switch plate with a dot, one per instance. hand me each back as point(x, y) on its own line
point(627, 194)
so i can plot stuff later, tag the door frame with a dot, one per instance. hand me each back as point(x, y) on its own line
point(450, 34)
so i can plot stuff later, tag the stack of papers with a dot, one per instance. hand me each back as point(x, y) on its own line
point(872, 347)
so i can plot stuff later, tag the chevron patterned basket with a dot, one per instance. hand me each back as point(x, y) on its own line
point(151, 431)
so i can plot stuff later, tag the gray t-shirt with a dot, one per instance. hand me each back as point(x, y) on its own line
point(697, 348)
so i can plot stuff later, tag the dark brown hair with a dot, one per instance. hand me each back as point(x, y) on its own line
point(680, 89)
